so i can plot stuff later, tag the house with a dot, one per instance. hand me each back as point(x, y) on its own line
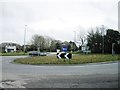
point(10, 47)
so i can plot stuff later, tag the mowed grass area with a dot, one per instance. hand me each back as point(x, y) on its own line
point(13, 54)
point(76, 59)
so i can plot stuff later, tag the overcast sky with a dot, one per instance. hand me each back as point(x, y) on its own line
point(58, 19)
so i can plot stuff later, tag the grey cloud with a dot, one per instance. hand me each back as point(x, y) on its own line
point(69, 14)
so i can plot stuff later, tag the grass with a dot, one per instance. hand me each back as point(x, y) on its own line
point(76, 59)
point(13, 54)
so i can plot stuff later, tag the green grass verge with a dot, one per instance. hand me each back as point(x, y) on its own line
point(13, 54)
point(77, 59)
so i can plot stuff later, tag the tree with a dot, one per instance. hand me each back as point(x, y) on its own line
point(58, 45)
point(82, 39)
point(112, 36)
point(48, 41)
point(45, 43)
point(95, 40)
point(39, 41)
point(55, 44)
point(32, 48)
point(110, 40)
point(73, 46)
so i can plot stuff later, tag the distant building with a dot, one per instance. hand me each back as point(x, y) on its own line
point(85, 49)
point(10, 47)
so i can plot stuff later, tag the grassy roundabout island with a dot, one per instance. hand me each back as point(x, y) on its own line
point(76, 59)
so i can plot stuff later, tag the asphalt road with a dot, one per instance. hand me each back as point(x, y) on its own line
point(76, 76)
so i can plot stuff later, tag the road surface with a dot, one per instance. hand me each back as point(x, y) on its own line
point(97, 75)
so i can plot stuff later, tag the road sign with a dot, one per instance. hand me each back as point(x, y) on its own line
point(64, 55)
point(64, 49)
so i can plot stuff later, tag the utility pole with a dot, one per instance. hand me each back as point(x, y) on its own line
point(74, 36)
point(113, 52)
point(103, 38)
point(25, 38)
point(74, 40)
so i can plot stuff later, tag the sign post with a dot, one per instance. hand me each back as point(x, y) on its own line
point(63, 55)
